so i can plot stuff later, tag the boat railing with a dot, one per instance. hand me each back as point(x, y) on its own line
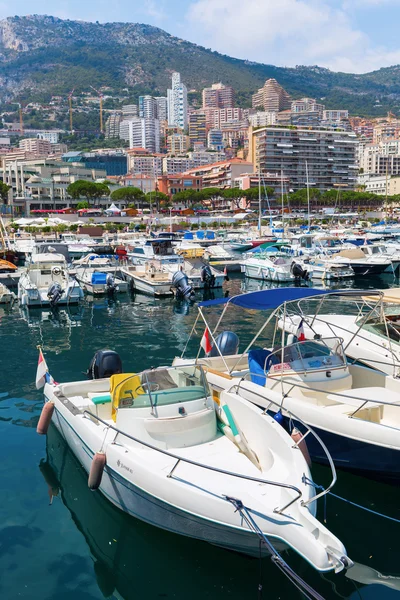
point(194, 463)
point(309, 430)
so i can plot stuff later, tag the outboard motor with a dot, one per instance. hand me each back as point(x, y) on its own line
point(228, 344)
point(299, 272)
point(207, 276)
point(104, 364)
point(110, 284)
point(181, 284)
point(54, 293)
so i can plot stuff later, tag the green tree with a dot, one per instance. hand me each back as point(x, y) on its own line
point(4, 189)
point(157, 198)
point(87, 189)
point(83, 204)
point(129, 194)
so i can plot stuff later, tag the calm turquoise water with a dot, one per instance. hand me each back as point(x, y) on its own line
point(81, 547)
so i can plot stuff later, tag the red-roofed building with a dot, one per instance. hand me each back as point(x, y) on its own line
point(221, 174)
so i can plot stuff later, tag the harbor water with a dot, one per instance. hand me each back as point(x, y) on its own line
point(59, 540)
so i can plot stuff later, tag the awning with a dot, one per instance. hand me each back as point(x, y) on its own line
point(270, 299)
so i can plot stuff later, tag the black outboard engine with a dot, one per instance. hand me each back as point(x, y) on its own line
point(181, 284)
point(110, 284)
point(104, 364)
point(299, 272)
point(54, 293)
point(228, 344)
point(207, 276)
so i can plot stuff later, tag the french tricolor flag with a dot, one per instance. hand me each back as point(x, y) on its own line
point(300, 332)
point(206, 341)
point(42, 373)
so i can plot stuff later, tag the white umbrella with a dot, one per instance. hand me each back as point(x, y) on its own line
point(22, 221)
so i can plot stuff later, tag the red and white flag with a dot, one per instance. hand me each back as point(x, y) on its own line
point(206, 343)
point(300, 332)
point(41, 371)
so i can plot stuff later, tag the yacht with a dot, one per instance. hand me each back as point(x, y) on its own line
point(46, 281)
point(99, 275)
point(361, 264)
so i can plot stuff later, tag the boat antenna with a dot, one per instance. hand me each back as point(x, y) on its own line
point(282, 199)
point(259, 202)
point(308, 198)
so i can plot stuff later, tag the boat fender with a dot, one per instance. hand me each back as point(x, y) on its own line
point(96, 470)
point(297, 437)
point(278, 417)
point(45, 418)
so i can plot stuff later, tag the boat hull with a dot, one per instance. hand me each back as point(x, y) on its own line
point(139, 504)
point(265, 273)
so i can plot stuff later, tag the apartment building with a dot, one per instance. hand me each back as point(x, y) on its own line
point(197, 128)
point(113, 122)
point(330, 156)
point(218, 96)
point(177, 143)
point(262, 119)
point(221, 174)
point(335, 115)
point(177, 103)
point(148, 107)
point(141, 162)
point(272, 97)
point(145, 133)
point(129, 112)
point(386, 131)
point(215, 140)
point(162, 108)
point(307, 105)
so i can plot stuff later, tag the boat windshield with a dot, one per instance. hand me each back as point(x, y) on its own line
point(159, 387)
point(308, 356)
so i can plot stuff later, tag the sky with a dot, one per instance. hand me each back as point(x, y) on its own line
point(354, 36)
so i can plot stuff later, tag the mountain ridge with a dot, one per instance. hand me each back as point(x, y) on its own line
point(41, 55)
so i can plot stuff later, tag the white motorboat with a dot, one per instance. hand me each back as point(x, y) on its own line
point(354, 409)
point(6, 296)
point(151, 279)
point(158, 447)
point(99, 275)
point(160, 249)
point(368, 322)
point(46, 281)
point(280, 267)
point(360, 263)
point(325, 269)
point(380, 250)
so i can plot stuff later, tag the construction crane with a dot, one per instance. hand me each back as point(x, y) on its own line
point(101, 108)
point(70, 110)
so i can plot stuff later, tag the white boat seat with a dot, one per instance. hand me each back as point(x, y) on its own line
point(195, 428)
point(370, 411)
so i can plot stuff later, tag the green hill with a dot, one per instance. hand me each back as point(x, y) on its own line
point(41, 56)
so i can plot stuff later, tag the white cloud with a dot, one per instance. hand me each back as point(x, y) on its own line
point(287, 33)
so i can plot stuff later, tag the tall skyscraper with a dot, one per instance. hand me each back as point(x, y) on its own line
point(144, 133)
point(177, 103)
point(148, 107)
point(162, 106)
point(218, 96)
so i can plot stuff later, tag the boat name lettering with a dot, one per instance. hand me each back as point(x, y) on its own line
point(122, 466)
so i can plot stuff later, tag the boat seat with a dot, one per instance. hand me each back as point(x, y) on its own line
point(370, 411)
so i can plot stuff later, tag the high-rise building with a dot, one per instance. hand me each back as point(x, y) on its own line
point(272, 97)
point(335, 115)
point(197, 128)
point(215, 140)
point(129, 112)
point(148, 107)
point(177, 103)
point(162, 108)
point(330, 156)
point(262, 119)
point(218, 96)
point(112, 126)
point(144, 133)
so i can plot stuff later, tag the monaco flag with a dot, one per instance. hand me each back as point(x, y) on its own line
point(41, 372)
point(300, 332)
point(206, 341)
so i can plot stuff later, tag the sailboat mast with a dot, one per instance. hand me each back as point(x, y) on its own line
point(386, 194)
point(259, 202)
point(308, 197)
point(282, 199)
